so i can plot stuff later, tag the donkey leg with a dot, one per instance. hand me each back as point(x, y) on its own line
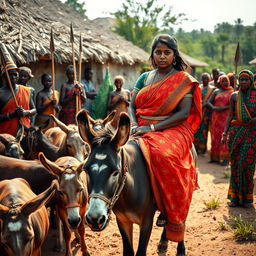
point(81, 231)
point(181, 250)
point(126, 233)
point(163, 243)
point(145, 232)
point(59, 243)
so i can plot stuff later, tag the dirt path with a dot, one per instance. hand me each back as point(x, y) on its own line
point(203, 236)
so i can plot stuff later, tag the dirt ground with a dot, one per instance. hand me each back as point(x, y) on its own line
point(203, 236)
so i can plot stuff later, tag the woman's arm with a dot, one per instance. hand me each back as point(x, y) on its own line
point(110, 104)
point(210, 101)
point(132, 110)
point(230, 117)
point(174, 120)
point(40, 107)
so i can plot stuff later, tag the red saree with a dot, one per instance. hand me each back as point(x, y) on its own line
point(219, 151)
point(23, 95)
point(167, 152)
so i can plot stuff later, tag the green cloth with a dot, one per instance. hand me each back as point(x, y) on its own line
point(99, 106)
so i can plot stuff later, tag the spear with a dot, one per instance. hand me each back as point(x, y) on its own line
point(3, 62)
point(52, 49)
point(80, 59)
point(237, 57)
point(72, 40)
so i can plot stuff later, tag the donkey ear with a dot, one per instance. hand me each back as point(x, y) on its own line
point(42, 199)
point(123, 131)
point(49, 165)
point(84, 126)
point(20, 133)
point(4, 140)
point(109, 118)
point(62, 126)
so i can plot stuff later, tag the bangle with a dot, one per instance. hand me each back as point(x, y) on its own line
point(152, 127)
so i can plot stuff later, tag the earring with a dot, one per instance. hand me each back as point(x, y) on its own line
point(174, 62)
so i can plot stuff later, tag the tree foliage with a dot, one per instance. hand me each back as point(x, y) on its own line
point(140, 22)
point(80, 7)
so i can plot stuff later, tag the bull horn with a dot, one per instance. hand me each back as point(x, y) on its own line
point(62, 126)
point(20, 133)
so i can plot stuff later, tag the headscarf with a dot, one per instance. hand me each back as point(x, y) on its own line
point(28, 70)
point(234, 75)
point(8, 67)
point(221, 83)
point(249, 74)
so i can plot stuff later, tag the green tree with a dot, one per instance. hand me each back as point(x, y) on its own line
point(223, 39)
point(80, 7)
point(140, 22)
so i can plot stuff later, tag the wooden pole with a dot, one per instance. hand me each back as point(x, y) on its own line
point(7, 75)
point(52, 49)
point(80, 59)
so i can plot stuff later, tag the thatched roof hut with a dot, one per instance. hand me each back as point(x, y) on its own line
point(25, 29)
point(253, 62)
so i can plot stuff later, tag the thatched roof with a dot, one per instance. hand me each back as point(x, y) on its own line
point(253, 62)
point(25, 29)
point(193, 62)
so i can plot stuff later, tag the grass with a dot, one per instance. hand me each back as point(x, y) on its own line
point(212, 204)
point(223, 226)
point(243, 230)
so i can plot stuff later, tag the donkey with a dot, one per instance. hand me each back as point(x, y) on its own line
point(70, 199)
point(24, 222)
point(118, 179)
point(10, 145)
point(67, 138)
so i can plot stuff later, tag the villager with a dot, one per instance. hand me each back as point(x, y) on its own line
point(46, 102)
point(201, 135)
point(118, 100)
point(215, 77)
point(219, 104)
point(89, 89)
point(232, 80)
point(68, 93)
point(10, 113)
point(166, 111)
point(240, 132)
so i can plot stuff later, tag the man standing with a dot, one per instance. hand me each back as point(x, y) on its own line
point(89, 89)
point(215, 76)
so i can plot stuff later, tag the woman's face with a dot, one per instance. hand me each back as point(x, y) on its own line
point(224, 82)
point(244, 82)
point(47, 82)
point(70, 74)
point(118, 84)
point(23, 77)
point(163, 56)
point(205, 80)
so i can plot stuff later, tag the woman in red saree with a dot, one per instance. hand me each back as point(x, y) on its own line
point(219, 103)
point(166, 112)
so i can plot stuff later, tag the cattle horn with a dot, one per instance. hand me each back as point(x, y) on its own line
point(62, 126)
point(20, 133)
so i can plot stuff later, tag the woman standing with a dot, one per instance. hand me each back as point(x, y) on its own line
point(68, 93)
point(118, 100)
point(166, 112)
point(201, 135)
point(219, 104)
point(241, 126)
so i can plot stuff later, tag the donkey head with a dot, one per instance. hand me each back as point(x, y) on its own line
point(104, 166)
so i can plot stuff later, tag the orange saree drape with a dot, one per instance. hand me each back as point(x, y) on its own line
point(167, 152)
point(23, 95)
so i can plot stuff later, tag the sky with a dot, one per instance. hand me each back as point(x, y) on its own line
point(206, 13)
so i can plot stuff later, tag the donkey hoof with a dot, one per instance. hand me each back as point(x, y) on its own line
point(162, 247)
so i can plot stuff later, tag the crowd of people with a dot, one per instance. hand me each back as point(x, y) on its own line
point(169, 111)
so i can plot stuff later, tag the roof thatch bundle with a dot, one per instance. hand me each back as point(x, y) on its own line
point(25, 27)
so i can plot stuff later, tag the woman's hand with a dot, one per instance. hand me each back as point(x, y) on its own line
point(141, 130)
point(224, 139)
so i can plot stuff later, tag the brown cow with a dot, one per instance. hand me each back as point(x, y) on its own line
point(71, 198)
point(24, 218)
point(10, 145)
point(67, 138)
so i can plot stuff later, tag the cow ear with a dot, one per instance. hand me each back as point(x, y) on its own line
point(79, 169)
point(123, 131)
point(39, 201)
point(3, 210)
point(20, 133)
point(109, 118)
point(49, 165)
point(62, 126)
point(84, 126)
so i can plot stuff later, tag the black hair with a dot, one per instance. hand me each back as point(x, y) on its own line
point(43, 77)
point(69, 68)
point(171, 43)
point(88, 70)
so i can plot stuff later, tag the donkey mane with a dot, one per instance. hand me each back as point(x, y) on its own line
point(104, 135)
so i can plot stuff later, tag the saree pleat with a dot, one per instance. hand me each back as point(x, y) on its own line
point(169, 162)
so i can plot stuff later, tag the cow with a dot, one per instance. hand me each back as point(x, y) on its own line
point(23, 217)
point(71, 198)
point(67, 138)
